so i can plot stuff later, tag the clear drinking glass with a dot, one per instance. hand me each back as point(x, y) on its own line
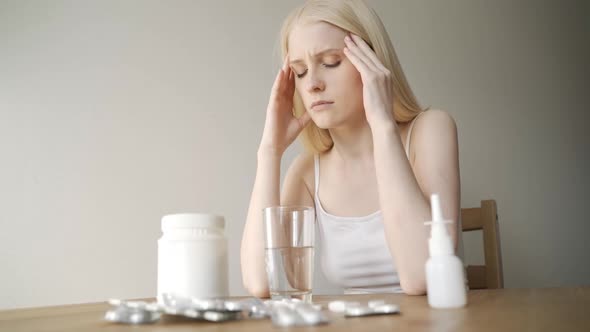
point(289, 244)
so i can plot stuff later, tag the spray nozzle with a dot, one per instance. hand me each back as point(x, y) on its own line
point(436, 211)
point(440, 241)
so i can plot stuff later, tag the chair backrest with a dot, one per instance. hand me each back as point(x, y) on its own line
point(485, 218)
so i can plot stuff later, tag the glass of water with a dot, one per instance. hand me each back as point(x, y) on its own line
point(289, 243)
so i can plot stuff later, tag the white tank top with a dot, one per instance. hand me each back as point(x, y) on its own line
point(354, 252)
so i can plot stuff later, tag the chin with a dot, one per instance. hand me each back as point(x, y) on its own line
point(325, 124)
point(329, 121)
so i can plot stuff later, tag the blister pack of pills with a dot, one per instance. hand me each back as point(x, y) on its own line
point(132, 312)
point(282, 313)
point(355, 309)
point(293, 312)
point(213, 310)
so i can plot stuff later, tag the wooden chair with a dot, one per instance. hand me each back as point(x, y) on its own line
point(485, 218)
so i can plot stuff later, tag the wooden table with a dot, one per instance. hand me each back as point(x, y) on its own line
point(551, 309)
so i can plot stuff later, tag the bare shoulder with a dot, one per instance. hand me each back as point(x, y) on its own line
point(432, 124)
point(434, 129)
point(302, 168)
point(433, 119)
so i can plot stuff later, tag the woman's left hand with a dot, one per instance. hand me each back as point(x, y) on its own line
point(377, 85)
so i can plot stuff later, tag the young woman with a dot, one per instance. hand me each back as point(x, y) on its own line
point(373, 155)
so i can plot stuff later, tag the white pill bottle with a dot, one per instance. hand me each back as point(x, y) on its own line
point(192, 256)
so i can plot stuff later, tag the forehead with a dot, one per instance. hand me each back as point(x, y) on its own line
point(314, 37)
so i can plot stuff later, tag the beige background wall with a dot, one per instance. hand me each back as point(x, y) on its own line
point(114, 113)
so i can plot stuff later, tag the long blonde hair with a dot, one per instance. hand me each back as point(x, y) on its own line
point(357, 17)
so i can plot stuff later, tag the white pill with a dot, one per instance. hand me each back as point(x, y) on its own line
point(337, 306)
point(115, 302)
point(358, 311)
point(387, 309)
point(153, 306)
point(138, 317)
point(112, 316)
point(172, 311)
point(215, 316)
point(283, 316)
point(309, 315)
point(191, 313)
point(136, 304)
point(375, 303)
point(233, 306)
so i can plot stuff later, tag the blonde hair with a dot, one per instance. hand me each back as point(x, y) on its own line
point(357, 17)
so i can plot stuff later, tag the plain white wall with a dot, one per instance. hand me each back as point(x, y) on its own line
point(114, 113)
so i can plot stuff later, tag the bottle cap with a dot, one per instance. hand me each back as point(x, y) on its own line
point(192, 220)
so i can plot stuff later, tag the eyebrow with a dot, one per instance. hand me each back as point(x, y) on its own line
point(317, 55)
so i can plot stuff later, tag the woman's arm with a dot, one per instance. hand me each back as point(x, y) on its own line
point(404, 192)
point(265, 194)
point(280, 130)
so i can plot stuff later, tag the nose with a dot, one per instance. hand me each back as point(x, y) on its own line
point(315, 83)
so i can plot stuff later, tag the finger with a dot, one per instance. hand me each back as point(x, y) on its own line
point(290, 75)
point(295, 127)
point(360, 43)
point(358, 63)
point(352, 47)
point(287, 73)
point(277, 83)
point(304, 119)
point(286, 63)
point(288, 81)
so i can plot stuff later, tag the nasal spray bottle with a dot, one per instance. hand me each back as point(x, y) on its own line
point(444, 271)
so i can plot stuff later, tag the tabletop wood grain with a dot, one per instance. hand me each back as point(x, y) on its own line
point(545, 309)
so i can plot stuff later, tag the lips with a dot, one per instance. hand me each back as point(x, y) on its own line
point(320, 102)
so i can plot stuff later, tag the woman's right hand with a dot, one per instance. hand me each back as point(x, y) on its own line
point(281, 127)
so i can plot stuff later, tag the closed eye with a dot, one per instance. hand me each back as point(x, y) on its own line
point(327, 65)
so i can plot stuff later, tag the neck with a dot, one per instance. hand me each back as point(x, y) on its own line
point(353, 142)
